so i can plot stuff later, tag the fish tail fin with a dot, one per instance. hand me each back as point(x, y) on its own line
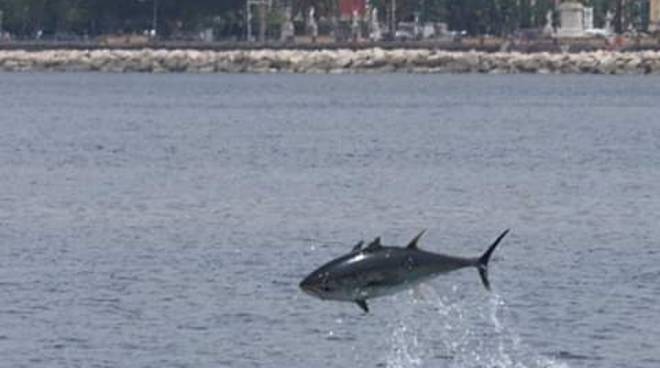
point(482, 262)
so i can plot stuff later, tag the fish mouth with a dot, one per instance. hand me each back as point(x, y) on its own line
point(310, 288)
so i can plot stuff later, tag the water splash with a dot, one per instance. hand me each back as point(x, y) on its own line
point(405, 345)
point(460, 331)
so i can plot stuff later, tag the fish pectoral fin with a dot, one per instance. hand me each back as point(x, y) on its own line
point(374, 284)
point(363, 305)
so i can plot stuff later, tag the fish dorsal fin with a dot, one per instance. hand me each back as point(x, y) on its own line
point(374, 245)
point(413, 243)
point(358, 246)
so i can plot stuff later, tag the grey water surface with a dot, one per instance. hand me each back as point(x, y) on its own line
point(166, 220)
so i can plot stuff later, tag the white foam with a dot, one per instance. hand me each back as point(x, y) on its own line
point(463, 331)
point(405, 345)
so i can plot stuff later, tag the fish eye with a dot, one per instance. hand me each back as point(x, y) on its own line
point(325, 285)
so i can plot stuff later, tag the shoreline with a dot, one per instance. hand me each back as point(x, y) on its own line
point(329, 61)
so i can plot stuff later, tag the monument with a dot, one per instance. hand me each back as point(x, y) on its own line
point(374, 26)
point(355, 27)
point(608, 22)
point(417, 26)
point(548, 29)
point(288, 31)
point(312, 27)
point(588, 18)
point(571, 15)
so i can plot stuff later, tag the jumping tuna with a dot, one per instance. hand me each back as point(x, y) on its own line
point(378, 270)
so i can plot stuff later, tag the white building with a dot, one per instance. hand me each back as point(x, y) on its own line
point(654, 16)
point(571, 19)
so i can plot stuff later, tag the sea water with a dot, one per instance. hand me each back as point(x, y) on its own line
point(166, 220)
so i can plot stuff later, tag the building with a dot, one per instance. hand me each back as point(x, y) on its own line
point(654, 16)
point(347, 7)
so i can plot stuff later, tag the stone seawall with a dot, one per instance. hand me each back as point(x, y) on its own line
point(331, 61)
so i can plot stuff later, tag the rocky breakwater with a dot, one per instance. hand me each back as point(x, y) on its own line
point(330, 61)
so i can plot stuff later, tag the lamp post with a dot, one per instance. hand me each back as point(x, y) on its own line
point(262, 7)
point(262, 21)
point(248, 21)
point(619, 17)
point(154, 19)
point(393, 18)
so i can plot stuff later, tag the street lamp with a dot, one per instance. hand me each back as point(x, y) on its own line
point(154, 17)
point(393, 19)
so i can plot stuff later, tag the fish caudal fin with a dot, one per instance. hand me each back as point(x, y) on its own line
point(363, 305)
point(482, 263)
